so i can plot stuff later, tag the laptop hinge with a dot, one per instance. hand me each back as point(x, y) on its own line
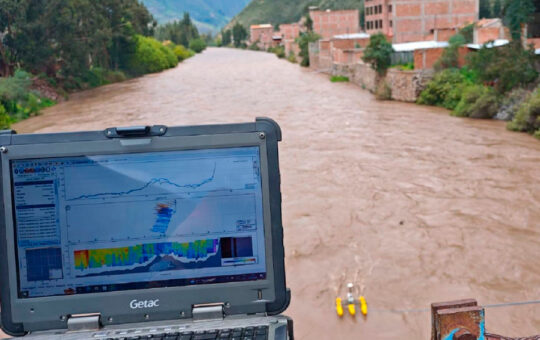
point(84, 322)
point(213, 311)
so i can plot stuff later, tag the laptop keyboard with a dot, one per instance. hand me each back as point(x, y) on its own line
point(247, 333)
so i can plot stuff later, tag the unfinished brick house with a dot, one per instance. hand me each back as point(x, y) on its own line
point(262, 35)
point(330, 23)
point(289, 33)
point(418, 20)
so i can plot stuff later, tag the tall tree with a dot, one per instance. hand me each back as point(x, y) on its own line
point(239, 34)
point(517, 14)
point(485, 9)
point(497, 9)
point(68, 37)
point(226, 37)
point(378, 53)
point(180, 32)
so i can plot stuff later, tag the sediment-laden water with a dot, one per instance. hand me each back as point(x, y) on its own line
point(413, 205)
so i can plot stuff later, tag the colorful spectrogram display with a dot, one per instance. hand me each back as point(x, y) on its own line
point(143, 253)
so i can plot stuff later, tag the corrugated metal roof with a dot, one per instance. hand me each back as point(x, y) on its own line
point(352, 36)
point(495, 43)
point(419, 45)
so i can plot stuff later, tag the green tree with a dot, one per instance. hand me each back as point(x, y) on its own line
point(179, 32)
point(67, 38)
point(303, 41)
point(497, 9)
point(226, 37)
point(518, 13)
point(197, 45)
point(378, 53)
point(151, 56)
point(362, 18)
point(505, 67)
point(308, 23)
point(239, 34)
point(450, 56)
point(485, 9)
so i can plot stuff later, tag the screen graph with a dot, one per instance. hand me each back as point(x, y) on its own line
point(126, 221)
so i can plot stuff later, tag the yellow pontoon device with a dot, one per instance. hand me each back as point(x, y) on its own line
point(351, 302)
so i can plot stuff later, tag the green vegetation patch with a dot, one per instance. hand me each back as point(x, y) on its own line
point(279, 51)
point(339, 79)
point(197, 45)
point(150, 56)
point(17, 100)
point(445, 89)
point(182, 53)
point(477, 101)
point(504, 67)
point(527, 118)
point(404, 67)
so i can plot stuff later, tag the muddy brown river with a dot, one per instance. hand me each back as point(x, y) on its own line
point(412, 205)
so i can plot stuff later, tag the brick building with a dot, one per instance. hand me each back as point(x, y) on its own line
point(418, 20)
point(262, 35)
point(330, 23)
point(289, 33)
point(490, 29)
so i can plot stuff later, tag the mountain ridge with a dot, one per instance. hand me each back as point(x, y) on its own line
point(208, 15)
point(278, 12)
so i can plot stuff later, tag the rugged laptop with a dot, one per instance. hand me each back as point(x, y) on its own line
point(149, 232)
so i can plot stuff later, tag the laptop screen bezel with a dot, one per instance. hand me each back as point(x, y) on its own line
point(238, 297)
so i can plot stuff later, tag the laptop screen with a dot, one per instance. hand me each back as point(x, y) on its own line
point(103, 223)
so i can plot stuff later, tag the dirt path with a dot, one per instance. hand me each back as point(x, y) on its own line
point(416, 205)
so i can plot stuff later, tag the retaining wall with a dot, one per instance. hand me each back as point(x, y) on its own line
point(406, 85)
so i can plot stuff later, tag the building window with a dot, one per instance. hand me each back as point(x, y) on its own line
point(390, 23)
point(390, 8)
point(380, 23)
point(380, 8)
point(377, 24)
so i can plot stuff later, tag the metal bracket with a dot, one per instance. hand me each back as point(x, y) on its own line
point(84, 322)
point(208, 312)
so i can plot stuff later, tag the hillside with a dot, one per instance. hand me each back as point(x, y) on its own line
point(285, 11)
point(208, 15)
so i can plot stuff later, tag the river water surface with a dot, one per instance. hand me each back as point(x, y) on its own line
point(411, 204)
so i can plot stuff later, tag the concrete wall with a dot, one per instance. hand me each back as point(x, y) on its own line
point(405, 85)
point(349, 56)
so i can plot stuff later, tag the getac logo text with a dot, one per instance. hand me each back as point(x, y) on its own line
point(134, 304)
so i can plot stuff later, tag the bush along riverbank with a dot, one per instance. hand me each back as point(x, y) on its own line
point(495, 83)
point(50, 49)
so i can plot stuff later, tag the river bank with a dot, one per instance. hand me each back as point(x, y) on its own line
point(416, 205)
